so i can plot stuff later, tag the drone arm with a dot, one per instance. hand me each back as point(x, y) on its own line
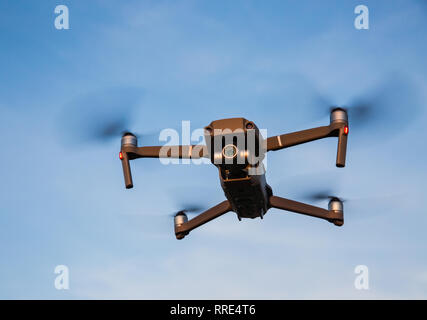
point(335, 129)
point(306, 209)
point(208, 215)
point(177, 152)
point(299, 137)
point(129, 152)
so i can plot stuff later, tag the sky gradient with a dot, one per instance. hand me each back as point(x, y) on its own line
point(63, 200)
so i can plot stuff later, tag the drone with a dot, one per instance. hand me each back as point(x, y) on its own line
point(236, 147)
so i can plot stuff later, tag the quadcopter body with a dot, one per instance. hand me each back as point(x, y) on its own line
point(237, 148)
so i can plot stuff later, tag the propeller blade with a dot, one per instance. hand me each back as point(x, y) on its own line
point(387, 107)
point(320, 195)
point(189, 208)
point(192, 208)
point(101, 115)
point(387, 110)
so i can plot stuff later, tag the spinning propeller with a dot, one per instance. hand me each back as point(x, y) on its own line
point(387, 110)
point(322, 195)
point(103, 116)
point(188, 209)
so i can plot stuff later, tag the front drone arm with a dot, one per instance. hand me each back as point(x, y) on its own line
point(335, 129)
point(184, 227)
point(130, 151)
point(175, 152)
point(332, 215)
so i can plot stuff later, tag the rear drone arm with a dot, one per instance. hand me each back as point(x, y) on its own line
point(337, 128)
point(183, 227)
point(334, 214)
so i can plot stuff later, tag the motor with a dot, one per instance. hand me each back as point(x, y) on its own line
point(179, 219)
point(336, 207)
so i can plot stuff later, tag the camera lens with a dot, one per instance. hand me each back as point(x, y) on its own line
point(229, 151)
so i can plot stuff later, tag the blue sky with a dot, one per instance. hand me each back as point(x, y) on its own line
point(65, 203)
